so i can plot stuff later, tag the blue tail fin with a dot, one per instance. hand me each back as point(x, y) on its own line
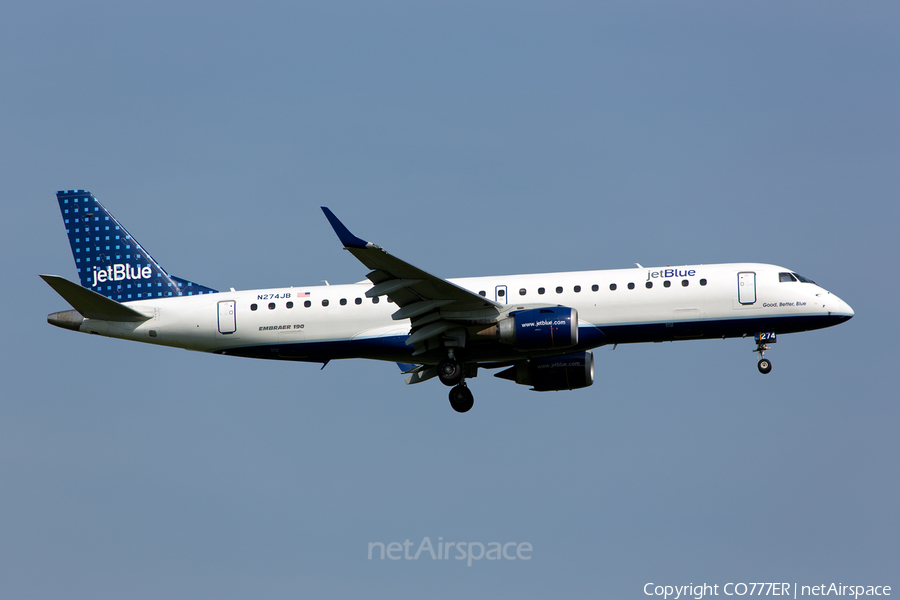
point(109, 260)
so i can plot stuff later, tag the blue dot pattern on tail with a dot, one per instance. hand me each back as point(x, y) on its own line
point(109, 260)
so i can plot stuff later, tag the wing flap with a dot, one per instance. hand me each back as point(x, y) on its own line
point(421, 374)
point(428, 331)
point(411, 311)
point(389, 286)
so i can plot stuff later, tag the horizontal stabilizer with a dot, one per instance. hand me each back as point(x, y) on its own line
point(91, 304)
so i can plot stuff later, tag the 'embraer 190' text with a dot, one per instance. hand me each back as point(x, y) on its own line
point(668, 273)
point(119, 272)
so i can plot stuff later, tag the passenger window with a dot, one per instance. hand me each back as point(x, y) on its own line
point(685, 283)
point(648, 285)
point(522, 292)
point(358, 300)
point(307, 304)
point(501, 293)
point(667, 283)
point(343, 302)
point(595, 288)
point(540, 290)
point(612, 287)
point(559, 290)
point(630, 286)
point(271, 306)
point(376, 300)
point(253, 307)
point(702, 282)
point(482, 293)
point(577, 288)
point(290, 305)
point(324, 302)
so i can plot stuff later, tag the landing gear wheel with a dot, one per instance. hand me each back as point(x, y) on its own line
point(450, 372)
point(764, 365)
point(461, 398)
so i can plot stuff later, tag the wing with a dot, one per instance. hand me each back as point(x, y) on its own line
point(437, 309)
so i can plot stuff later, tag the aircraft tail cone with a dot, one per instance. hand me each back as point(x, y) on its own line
point(67, 319)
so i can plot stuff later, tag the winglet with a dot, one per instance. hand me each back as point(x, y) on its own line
point(348, 239)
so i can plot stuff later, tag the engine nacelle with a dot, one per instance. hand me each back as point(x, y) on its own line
point(554, 373)
point(540, 328)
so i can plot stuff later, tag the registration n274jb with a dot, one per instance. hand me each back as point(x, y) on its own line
point(539, 329)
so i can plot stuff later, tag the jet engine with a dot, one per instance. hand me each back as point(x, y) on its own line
point(554, 373)
point(540, 328)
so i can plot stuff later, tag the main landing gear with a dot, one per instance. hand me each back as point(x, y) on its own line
point(764, 365)
point(461, 398)
point(450, 372)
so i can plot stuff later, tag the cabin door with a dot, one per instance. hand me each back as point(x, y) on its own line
point(747, 287)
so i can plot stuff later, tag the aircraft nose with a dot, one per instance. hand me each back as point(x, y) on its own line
point(838, 308)
point(849, 310)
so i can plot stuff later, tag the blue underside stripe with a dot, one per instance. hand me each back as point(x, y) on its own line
point(394, 349)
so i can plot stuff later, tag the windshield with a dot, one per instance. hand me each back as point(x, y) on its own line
point(803, 279)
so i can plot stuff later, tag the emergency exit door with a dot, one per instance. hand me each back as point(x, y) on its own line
point(226, 317)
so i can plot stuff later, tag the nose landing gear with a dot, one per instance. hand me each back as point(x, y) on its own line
point(764, 365)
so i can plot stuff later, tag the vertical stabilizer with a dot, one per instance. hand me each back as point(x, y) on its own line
point(109, 260)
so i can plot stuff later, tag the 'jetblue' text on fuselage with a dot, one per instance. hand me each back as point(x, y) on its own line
point(668, 273)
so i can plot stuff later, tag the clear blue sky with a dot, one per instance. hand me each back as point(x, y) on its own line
point(471, 139)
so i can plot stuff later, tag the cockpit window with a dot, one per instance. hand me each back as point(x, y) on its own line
point(802, 278)
point(786, 277)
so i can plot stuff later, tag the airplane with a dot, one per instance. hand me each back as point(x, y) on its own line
point(538, 328)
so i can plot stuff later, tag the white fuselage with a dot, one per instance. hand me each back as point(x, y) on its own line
point(338, 321)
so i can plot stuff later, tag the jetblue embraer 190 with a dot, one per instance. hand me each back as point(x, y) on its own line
point(539, 329)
